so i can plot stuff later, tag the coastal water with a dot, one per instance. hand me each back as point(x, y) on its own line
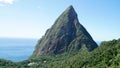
point(16, 49)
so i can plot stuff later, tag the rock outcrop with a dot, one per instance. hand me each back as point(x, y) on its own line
point(65, 35)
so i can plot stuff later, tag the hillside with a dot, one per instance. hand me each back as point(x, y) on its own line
point(105, 56)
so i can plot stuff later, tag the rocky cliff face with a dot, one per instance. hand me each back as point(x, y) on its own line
point(66, 35)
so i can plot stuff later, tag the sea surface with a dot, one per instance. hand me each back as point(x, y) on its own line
point(16, 49)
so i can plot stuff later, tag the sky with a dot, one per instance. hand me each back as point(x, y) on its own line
point(31, 18)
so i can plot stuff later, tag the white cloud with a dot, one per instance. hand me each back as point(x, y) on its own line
point(2, 2)
point(9, 1)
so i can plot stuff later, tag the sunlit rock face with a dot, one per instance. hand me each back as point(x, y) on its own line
point(65, 35)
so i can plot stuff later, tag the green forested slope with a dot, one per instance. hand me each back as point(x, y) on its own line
point(107, 55)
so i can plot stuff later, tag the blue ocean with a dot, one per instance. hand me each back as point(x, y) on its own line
point(16, 49)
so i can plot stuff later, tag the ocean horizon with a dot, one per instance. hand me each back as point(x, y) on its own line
point(16, 49)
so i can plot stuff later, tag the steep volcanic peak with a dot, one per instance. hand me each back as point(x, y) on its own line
point(66, 35)
point(70, 11)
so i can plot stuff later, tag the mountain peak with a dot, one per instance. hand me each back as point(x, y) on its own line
point(70, 8)
point(66, 35)
point(70, 11)
point(66, 17)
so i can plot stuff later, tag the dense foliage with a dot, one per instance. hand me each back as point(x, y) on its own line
point(6, 63)
point(107, 55)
